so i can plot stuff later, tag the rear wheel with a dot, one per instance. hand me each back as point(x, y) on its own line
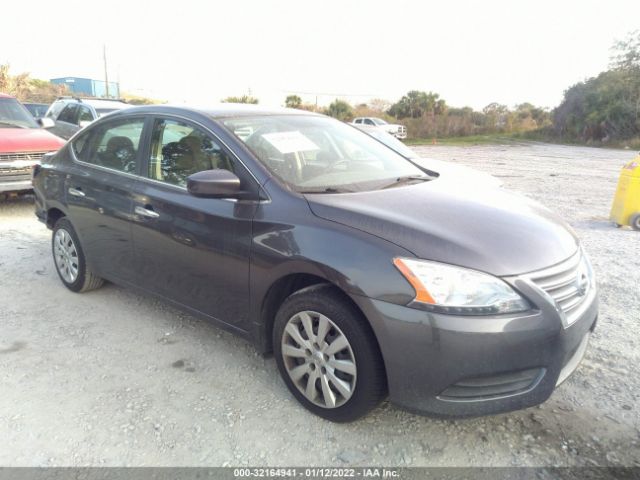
point(635, 221)
point(328, 355)
point(69, 259)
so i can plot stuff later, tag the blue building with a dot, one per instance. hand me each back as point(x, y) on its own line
point(86, 86)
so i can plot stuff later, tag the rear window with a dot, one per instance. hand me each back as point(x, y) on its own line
point(113, 145)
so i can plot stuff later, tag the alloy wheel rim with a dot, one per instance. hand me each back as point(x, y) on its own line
point(319, 359)
point(66, 255)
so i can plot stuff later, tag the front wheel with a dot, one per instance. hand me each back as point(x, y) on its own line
point(635, 221)
point(69, 259)
point(327, 354)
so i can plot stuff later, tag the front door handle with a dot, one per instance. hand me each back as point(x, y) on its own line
point(145, 212)
point(76, 192)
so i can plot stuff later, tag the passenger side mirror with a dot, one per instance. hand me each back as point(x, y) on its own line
point(46, 122)
point(216, 183)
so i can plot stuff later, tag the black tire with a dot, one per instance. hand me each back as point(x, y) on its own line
point(85, 279)
point(370, 380)
point(635, 221)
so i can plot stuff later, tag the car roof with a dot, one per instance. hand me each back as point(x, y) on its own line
point(96, 102)
point(100, 103)
point(243, 109)
point(222, 110)
point(4, 95)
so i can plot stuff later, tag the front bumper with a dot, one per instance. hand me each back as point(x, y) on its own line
point(400, 134)
point(15, 175)
point(15, 183)
point(460, 366)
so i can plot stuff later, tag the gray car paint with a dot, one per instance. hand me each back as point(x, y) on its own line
point(490, 230)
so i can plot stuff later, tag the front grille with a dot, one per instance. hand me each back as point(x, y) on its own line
point(14, 171)
point(487, 387)
point(568, 284)
point(21, 157)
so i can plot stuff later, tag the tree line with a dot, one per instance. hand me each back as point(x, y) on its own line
point(28, 89)
point(427, 115)
point(606, 107)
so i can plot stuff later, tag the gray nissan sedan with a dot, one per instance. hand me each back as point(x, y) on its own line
point(366, 274)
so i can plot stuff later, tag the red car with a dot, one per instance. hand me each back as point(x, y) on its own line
point(23, 142)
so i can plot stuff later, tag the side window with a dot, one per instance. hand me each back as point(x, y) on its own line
point(68, 113)
point(113, 145)
point(81, 147)
point(85, 114)
point(368, 121)
point(179, 150)
point(358, 120)
point(55, 108)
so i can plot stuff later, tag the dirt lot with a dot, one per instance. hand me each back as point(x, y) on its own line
point(114, 378)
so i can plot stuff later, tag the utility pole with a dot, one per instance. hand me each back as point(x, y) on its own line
point(106, 77)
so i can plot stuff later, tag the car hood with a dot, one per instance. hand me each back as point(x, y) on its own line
point(487, 229)
point(455, 172)
point(13, 140)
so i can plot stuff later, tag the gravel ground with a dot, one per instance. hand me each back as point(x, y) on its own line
point(114, 378)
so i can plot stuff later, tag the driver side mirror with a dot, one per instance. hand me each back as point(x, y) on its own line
point(46, 122)
point(216, 183)
point(84, 123)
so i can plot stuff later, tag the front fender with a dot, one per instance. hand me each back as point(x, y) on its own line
point(288, 243)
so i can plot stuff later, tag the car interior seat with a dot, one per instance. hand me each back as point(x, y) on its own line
point(119, 153)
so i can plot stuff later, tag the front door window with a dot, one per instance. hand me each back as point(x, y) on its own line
point(179, 150)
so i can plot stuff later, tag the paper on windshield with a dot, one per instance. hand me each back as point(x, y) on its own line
point(289, 142)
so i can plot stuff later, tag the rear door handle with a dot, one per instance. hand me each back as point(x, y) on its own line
point(76, 192)
point(146, 212)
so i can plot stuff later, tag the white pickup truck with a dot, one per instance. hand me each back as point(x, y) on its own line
point(398, 131)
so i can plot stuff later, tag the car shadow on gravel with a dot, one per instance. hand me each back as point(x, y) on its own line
point(600, 224)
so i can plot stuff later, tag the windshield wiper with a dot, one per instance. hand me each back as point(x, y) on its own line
point(9, 124)
point(408, 178)
point(326, 190)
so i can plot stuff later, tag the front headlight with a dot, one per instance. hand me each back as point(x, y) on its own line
point(449, 289)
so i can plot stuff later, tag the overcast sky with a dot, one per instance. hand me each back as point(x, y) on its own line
point(471, 53)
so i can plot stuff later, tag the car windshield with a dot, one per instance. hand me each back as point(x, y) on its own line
point(392, 142)
point(14, 115)
point(379, 121)
point(38, 110)
point(314, 154)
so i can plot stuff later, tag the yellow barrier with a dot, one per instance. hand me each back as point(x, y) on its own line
point(626, 202)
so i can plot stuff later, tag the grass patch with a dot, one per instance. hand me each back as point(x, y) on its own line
point(462, 141)
point(514, 138)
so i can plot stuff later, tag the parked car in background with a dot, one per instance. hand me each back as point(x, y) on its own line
point(23, 142)
point(456, 173)
point(364, 273)
point(71, 114)
point(398, 131)
point(38, 110)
